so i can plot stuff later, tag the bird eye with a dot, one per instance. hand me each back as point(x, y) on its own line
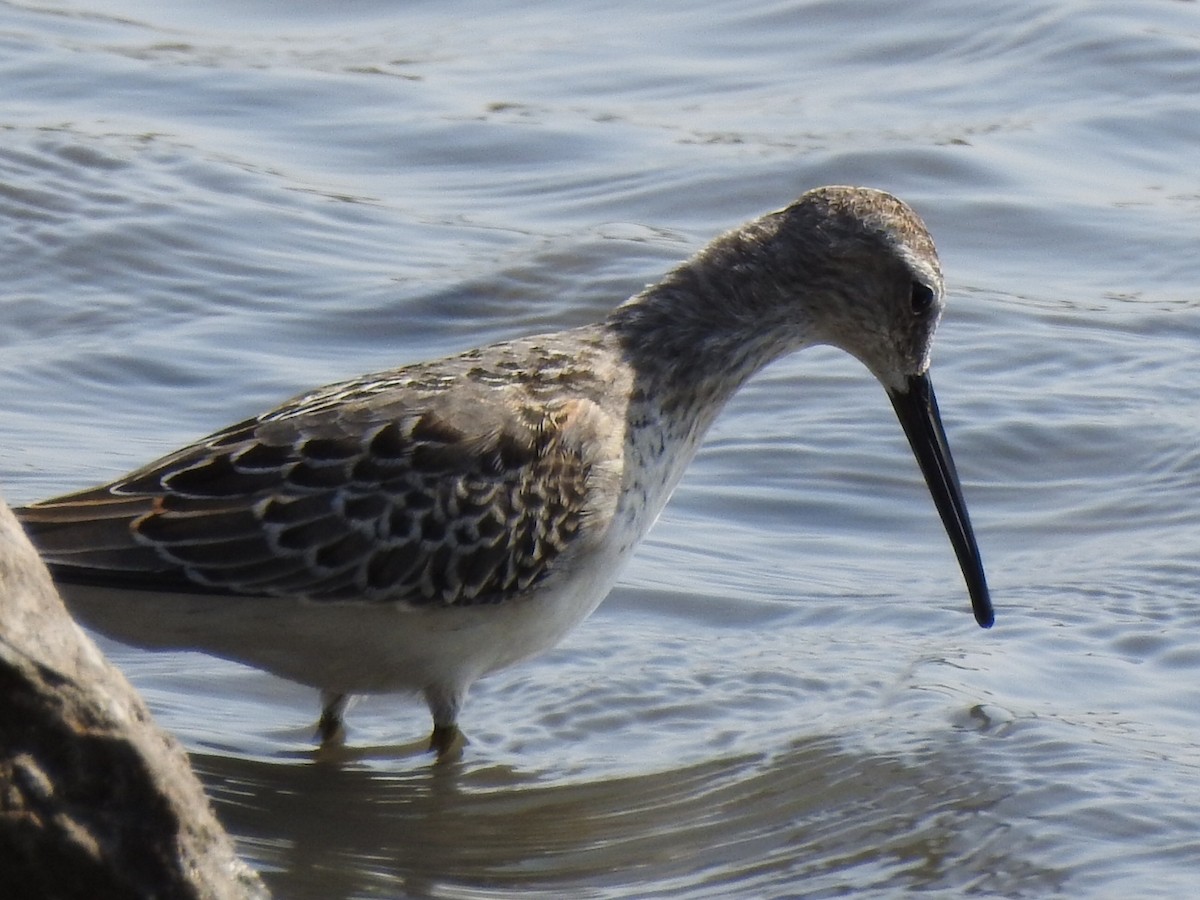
point(922, 298)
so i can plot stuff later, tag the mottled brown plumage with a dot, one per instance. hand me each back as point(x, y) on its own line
point(423, 493)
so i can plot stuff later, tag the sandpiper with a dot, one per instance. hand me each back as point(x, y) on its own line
point(415, 529)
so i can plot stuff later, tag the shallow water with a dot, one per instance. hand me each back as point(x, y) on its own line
point(205, 208)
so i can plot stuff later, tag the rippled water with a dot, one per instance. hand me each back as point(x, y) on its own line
point(205, 208)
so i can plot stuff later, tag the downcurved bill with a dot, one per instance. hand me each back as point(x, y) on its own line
point(916, 406)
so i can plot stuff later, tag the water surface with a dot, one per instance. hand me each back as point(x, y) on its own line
point(207, 208)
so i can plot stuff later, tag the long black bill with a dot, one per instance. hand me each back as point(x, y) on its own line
point(916, 406)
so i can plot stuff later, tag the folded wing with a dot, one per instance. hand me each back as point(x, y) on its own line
point(448, 499)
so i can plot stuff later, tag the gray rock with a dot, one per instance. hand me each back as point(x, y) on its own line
point(95, 801)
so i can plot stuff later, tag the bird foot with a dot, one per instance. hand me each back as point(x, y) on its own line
point(448, 742)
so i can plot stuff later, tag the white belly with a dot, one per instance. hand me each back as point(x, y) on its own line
point(351, 647)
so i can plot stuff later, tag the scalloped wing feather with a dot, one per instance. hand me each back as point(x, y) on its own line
point(449, 499)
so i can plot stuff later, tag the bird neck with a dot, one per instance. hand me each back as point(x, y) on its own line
point(698, 335)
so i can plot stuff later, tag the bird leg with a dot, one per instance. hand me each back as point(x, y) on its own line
point(330, 729)
point(448, 742)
